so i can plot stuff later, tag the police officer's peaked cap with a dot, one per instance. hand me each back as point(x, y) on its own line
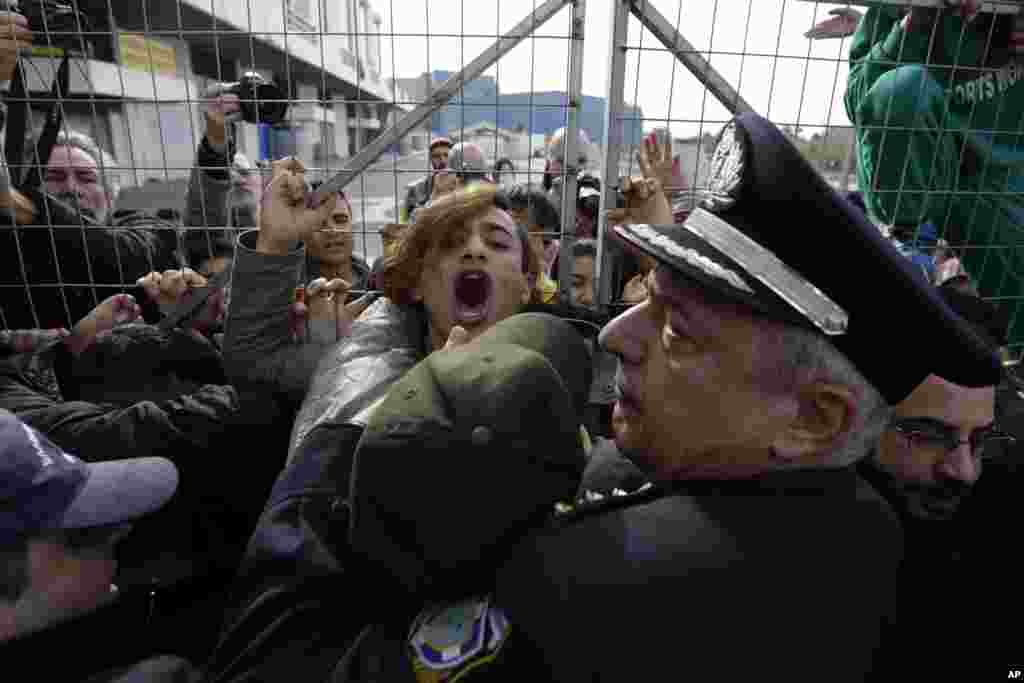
point(468, 451)
point(773, 234)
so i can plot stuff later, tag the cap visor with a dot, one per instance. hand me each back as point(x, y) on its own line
point(121, 490)
point(692, 257)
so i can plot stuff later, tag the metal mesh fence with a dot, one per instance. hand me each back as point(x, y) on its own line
point(923, 125)
point(369, 84)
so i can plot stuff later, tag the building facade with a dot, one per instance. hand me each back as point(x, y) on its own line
point(140, 89)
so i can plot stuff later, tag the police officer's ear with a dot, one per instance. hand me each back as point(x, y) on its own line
point(824, 416)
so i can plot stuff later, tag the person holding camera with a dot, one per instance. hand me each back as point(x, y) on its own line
point(937, 99)
point(225, 188)
point(77, 191)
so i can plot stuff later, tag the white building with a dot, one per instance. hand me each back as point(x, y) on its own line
point(139, 92)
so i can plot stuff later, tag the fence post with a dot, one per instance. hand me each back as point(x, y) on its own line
point(572, 151)
point(614, 103)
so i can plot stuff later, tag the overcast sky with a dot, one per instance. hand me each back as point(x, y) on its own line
point(758, 45)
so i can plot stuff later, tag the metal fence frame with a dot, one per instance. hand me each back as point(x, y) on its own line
point(689, 57)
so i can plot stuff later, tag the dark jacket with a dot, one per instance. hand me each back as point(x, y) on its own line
point(258, 346)
point(954, 572)
point(727, 573)
point(110, 645)
point(211, 435)
point(291, 583)
point(216, 208)
point(69, 270)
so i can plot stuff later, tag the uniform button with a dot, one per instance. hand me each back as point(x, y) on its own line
point(409, 393)
point(488, 358)
point(481, 436)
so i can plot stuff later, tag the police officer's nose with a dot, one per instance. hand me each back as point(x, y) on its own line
point(961, 465)
point(627, 335)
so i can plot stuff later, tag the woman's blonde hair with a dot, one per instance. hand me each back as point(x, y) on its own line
point(439, 224)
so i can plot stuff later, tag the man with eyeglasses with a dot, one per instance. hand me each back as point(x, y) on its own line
point(926, 465)
point(61, 617)
point(932, 452)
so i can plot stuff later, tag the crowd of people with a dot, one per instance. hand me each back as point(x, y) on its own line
point(233, 450)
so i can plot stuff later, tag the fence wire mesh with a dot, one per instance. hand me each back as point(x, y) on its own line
point(923, 124)
point(365, 84)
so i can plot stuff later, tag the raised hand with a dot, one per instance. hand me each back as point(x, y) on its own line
point(656, 161)
point(14, 37)
point(286, 216)
point(645, 203)
point(220, 111)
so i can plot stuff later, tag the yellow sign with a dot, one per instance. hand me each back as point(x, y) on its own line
point(47, 51)
point(145, 54)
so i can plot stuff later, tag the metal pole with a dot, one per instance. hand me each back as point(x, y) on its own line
point(658, 25)
point(572, 151)
point(441, 96)
point(614, 104)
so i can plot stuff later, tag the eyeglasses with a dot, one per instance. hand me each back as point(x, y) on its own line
point(983, 442)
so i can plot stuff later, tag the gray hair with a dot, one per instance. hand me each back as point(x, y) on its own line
point(809, 357)
point(105, 162)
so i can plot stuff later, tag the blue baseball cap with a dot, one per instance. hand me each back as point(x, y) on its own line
point(43, 488)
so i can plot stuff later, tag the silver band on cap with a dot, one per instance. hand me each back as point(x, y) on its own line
point(768, 269)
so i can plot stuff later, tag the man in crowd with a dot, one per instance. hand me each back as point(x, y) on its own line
point(937, 101)
point(223, 192)
point(533, 209)
point(420, 192)
point(116, 247)
point(927, 465)
point(584, 255)
point(463, 263)
point(79, 191)
point(60, 521)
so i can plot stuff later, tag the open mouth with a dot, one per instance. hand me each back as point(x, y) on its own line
point(472, 296)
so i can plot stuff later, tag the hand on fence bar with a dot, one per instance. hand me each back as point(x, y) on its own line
point(119, 309)
point(172, 288)
point(28, 341)
point(221, 111)
point(645, 203)
point(286, 217)
point(322, 304)
point(14, 37)
point(841, 24)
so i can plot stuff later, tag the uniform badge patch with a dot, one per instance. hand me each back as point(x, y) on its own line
point(447, 640)
point(727, 164)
